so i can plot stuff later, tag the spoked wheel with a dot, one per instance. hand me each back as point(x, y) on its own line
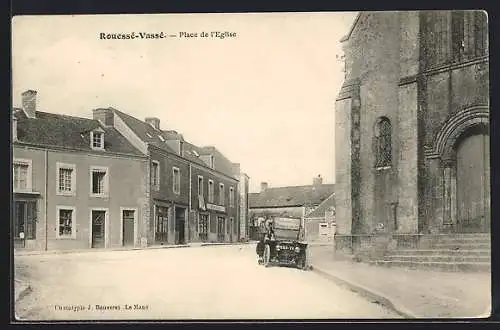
point(267, 256)
point(302, 264)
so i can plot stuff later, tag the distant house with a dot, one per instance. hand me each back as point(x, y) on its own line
point(76, 183)
point(319, 225)
point(291, 202)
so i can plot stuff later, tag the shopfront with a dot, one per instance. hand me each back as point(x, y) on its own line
point(217, 222)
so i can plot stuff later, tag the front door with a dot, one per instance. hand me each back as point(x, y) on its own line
point(98, 229)
point(161, 225)
point(25, 215)
point(473, 183)
point(230, 229)
point(180, 221)
point(128, 217)
point(221, 229)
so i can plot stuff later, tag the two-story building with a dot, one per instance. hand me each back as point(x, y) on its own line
point(76, 183)
point(192, 190)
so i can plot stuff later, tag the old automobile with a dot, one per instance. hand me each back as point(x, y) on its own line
point(272, 250)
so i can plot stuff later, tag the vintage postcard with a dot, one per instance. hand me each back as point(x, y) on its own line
point(251, 166)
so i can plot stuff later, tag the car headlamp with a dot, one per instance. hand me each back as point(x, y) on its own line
point(297, 249)
point(278, 247)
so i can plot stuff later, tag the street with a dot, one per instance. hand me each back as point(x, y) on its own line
point(216, 282)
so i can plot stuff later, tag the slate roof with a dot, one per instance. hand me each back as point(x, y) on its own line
point(319, 212)
point(56, 130)
point(156, 137)
point(291, 196)
point(144, 131)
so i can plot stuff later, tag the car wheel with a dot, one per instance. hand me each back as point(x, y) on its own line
point(302, 264)
point(267, 255)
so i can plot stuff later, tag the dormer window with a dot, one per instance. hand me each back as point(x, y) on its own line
point(97, 139)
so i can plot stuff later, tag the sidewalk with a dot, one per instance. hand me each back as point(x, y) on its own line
point(194, 244)
point(411, 293)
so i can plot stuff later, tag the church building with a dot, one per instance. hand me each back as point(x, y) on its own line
point(412, 126)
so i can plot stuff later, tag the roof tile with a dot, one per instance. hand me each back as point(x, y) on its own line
point(51, 129)
point(291, 196)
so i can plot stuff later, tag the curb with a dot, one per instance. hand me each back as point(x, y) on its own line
point(373, 295)
point(32, 253)
point(237, 243)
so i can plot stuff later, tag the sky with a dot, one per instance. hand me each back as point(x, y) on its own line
point(264, 97)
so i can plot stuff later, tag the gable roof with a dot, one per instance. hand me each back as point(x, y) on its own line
point(158, 138)
point(291, 196)
point(319, 212)
point(144, 131)
point(50, 129)
point(190, 151)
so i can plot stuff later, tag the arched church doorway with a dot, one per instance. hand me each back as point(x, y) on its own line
point(472, 152)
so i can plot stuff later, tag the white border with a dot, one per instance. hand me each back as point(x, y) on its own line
point(202, 185)
point(211, 200)
point(222, 201)
point(156, 186)
point(72, 167)
point(231, 197)
point(173, 180)
point(29, 175)
point(73, 221)
point(106, 181)
point(100, 131)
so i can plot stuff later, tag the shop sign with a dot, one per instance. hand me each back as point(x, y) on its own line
point(216, 207)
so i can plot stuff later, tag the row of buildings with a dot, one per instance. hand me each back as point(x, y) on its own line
point(313, 206)
point(412, 126)
point(115, 180)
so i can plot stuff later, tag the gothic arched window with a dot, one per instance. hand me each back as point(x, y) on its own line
point(383, 142)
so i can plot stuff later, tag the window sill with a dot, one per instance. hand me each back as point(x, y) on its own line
point(97, 149)
point(382, 168)
point(177, 192)
point(65, 238)
point(24, 191)
point(99, 196)
point(69, 193)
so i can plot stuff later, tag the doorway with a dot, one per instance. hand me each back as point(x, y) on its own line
point(180, 223)
point(98, 228)
point(161, 224)
point(221, 222)
point(473, 182)
point(128, 227)
point(25, 217)
point(231, 229)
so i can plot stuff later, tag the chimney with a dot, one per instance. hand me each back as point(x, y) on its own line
point(105, 116)
point(263, 186)
point(14, 128)
point(153, 121)
point(29, 103)
point(318, 180)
